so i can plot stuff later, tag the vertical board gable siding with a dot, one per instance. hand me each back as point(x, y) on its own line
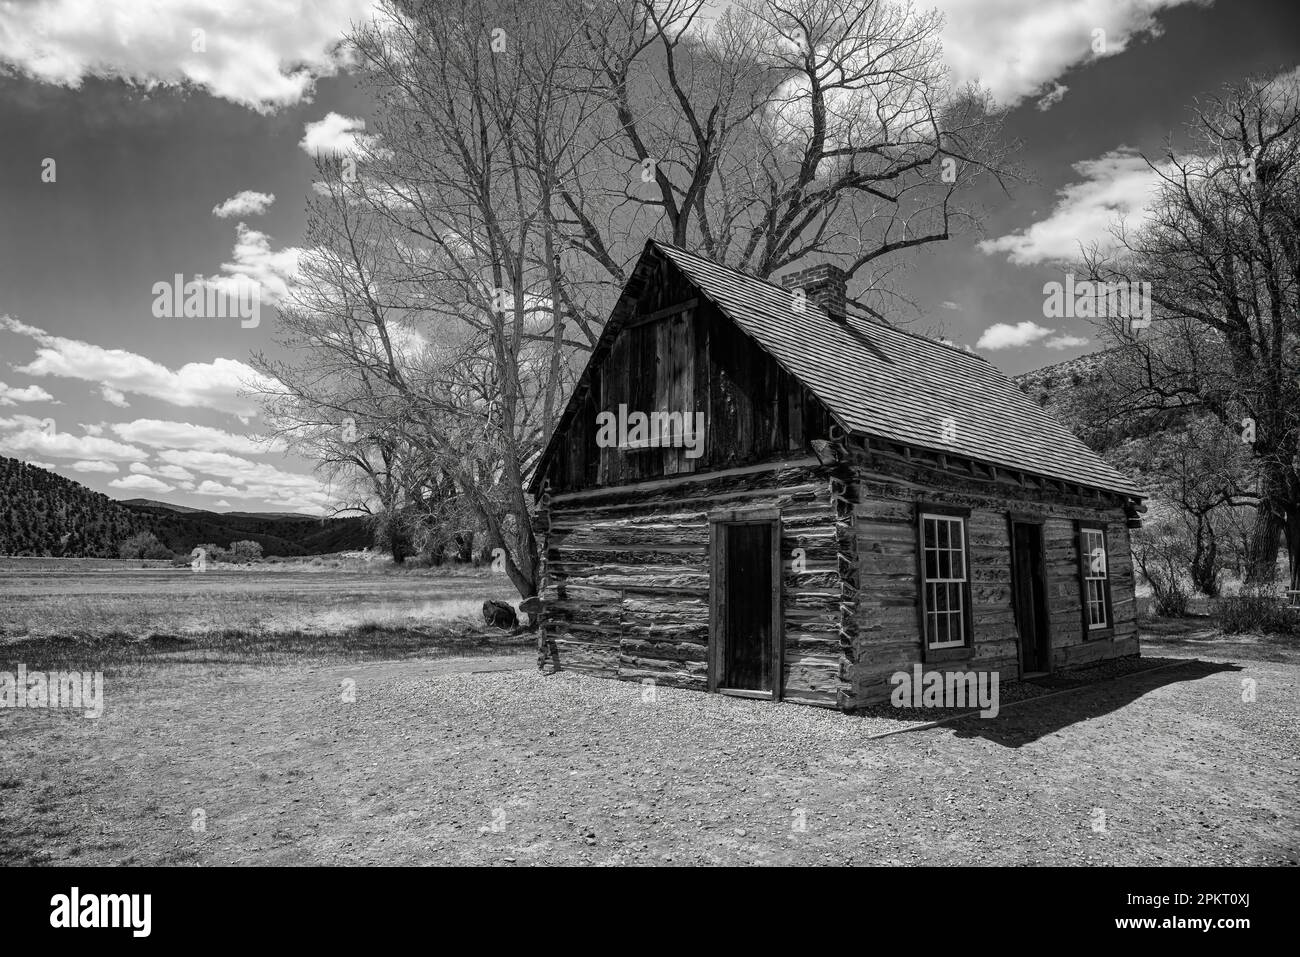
point(692, 360)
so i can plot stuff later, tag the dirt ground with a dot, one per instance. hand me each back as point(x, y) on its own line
point(484, 761)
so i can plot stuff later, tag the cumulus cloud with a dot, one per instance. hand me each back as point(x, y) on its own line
point(1052, 97)
point(160, 434)
point(203, 385)
point(113, 397)
point(262, 54)
point(254, 261)
point(949, 304)
point(25, 436)
point(140, 483)
point(243, 478)
point(1002, 335)
point(12, 395)
point(107, 467)
point(1016, 48)
point(336, 134)
point(209, 487)
point(1065, 342)
point(1117, 185)
point(244, 203)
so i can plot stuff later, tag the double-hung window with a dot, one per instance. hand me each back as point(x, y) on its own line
point(945, 582)
point(1094, 573)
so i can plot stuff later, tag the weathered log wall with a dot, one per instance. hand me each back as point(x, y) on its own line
point(626, 587)
point(889, 487)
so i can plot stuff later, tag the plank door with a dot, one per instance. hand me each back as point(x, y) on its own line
point(1029, 595)
point(746, 634)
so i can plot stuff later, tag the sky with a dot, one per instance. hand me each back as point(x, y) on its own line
point(142, 141)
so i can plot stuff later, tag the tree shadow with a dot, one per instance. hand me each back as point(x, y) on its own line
point(1027, 720)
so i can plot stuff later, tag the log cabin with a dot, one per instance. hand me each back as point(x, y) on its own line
point(754, 490)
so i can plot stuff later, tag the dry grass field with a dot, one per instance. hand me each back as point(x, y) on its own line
point(108, 613)
point(264, 739)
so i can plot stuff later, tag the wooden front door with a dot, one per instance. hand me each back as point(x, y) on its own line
point(1030, 595)
point(745, 633)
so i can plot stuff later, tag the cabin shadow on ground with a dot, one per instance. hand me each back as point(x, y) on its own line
point(1025, 721)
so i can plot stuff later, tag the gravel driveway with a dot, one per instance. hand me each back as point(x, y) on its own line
point(483, 761)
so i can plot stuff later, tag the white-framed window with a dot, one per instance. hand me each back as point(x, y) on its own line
point(944, 582)
point(1096, 574)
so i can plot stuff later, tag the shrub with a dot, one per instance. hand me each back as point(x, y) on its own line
point(246, 551)
point(144, 545)
point(1171, 600)
point(214, 552)
point(1256, 611)
point(1162, 554)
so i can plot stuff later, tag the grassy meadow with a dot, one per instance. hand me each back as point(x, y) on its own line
point(69, 612)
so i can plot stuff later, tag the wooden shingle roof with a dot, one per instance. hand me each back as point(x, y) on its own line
point(881, 381)
point(884, 382)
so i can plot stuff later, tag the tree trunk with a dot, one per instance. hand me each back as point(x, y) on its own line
point(1293, 543)
point(1205, 558)
point(1266, 535)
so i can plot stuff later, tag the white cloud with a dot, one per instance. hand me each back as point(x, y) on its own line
point(34, 436)
point(160, 434)
point(213, 463)
point(204, 385)
point(1118, 185)
point(949, 304)
point(1065, 342)
point(1002, 335)
point(107, 467)
point(223, 504)
point(174, 472)
point(245, 479)
point(209, 487)
point(12, 395)
point(336, 134)
point(244, 203)
point(1052, 97)
point(140, 483)
point(48, 466)
point(263, 54)
point(113, 397)
point(1016, 48)
point(253, 260)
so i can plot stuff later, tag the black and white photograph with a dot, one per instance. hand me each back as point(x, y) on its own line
point(651, 433)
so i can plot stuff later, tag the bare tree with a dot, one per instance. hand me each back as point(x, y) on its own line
point(796, 128)
point(462, 263)
point(1221, 249)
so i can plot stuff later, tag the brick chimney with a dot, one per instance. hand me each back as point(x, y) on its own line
point(826, 285)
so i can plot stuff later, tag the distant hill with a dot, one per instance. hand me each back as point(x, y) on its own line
point(42, 513)
point(150, 503)
point(1072, 391)
point(45, 514)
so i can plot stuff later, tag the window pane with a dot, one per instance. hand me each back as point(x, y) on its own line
point(943, 534)
point(929, 533)
point(959, 566)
